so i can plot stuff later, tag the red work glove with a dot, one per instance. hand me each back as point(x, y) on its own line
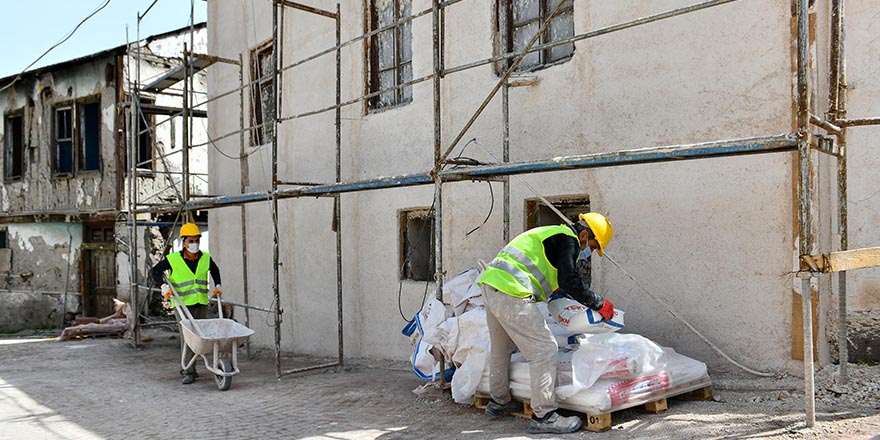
point(607, 310)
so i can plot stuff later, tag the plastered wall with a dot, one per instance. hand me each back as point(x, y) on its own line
point(45, 274)
point(715, 239)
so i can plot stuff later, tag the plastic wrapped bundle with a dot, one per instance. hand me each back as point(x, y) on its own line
point(629, 370)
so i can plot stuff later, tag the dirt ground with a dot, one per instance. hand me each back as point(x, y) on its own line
point(104, 389)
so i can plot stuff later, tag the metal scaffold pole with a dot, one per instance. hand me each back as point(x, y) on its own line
point(837, 111)
point(186, 131)
point(274, 202)
point(243, 167)
point(504, 27)
point(337, 201)
point(804, 201)
point(438, 181)
point(135, 148)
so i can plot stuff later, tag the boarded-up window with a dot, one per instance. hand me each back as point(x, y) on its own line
point(390, 53)
point(262, 95)
point(416, 245)
point(89, 139)
point(525, 18)
point(14, 147)
point(64, 141)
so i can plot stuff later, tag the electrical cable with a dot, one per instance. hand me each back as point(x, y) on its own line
point(666, 306)
point(690, 327)
point(491, 207)
point(67, 37)
point(403, 264)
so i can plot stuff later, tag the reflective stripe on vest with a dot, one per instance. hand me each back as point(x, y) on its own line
point(192, 287)
point(522, 269)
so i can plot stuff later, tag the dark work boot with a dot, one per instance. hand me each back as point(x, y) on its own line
point(554, 424)
point(496, 409)
point(187, 379)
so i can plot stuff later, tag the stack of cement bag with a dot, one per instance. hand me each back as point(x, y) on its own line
point(599, 370)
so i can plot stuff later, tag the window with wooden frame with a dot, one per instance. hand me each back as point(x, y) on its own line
point(89, 136)
point(390, 53)
point(63, 157)
point(525, 18)
point(539, 214)
point(145, 141)
point(262, 94)
point(13, 157)
point(416, 245)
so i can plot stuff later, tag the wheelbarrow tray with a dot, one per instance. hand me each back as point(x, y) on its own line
point(225, 333)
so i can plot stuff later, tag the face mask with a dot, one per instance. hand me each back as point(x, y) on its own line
point(193, 248)
point(585, 254)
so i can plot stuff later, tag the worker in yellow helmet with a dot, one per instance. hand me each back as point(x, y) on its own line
point(189, 271)
point(529, 269)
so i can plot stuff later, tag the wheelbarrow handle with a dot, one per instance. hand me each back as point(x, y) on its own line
point(180, 304)
point(219, 307)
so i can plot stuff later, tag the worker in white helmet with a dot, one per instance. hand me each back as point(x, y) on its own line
point(529, 269)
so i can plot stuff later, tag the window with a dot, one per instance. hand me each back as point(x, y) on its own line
point(525, 18)
point(5, 253)
point(417, 245)
point(64, 141)
point(89, 138)
point(262, 95)
point(390, 53)
point(539, 214)
point(145, 140)
point(14, 147)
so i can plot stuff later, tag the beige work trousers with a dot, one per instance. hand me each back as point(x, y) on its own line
point(517, 323)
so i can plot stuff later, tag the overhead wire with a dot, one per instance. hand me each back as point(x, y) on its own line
point(67, 37)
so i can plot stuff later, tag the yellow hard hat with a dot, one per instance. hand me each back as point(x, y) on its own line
point(601, 228)
point(189, 230)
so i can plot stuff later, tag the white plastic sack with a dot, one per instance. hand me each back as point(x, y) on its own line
point(422, 326)
point(669, 370)
point(462, 291)
point(465, 341)
point(611, 356)
point(673, 370)
point(576, 318)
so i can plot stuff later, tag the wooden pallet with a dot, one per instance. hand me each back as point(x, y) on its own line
point(602, 422)
point(481, 402)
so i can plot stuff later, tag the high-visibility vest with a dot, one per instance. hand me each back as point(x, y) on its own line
point(192, 287)
point(522, 269)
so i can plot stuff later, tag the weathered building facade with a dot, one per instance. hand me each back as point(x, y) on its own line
point(66, 173)
point(717, 239)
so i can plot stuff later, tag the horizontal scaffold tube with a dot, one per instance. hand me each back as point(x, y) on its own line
point(734, 147)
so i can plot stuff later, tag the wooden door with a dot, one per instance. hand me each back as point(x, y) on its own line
point(99, 257)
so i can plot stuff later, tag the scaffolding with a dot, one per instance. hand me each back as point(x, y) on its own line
point(803, 141)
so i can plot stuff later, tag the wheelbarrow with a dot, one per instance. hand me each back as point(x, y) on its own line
point(217, 338)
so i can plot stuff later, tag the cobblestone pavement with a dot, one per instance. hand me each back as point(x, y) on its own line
point(104, 389)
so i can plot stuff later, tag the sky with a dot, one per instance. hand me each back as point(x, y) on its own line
point(31, 27)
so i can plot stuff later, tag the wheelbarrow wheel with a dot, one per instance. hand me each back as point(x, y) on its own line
point(224, 382)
